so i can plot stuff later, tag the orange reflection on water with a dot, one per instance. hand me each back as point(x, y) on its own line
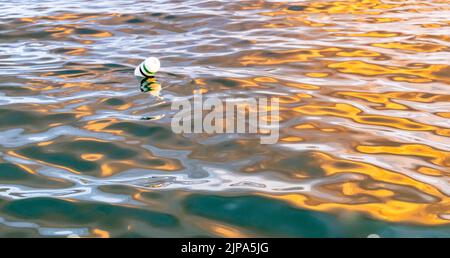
point(60, 31)
point(76, 51)
point(432, 172)
point(292, 139)
point(355, 114)
point(443, 114)
point(380, 202)
point(100, 125)
point(285, 56)
point(17, 155)
point(356, 7)
point(385, 98)
point(221, 230)
point(376, 34)
point(26, 168)
point(351, 6)
point(388, 210)
point(317, 75)
point(313, 126)
point(113, 167)
point(303, 86)
point(438, 157)
point(278, 57)
point(421, 73)
point(334, 165)
point(358, 53)
point(100, 233)
point(83, 110)
point(92, 156)
point(379, 98)
point(379, 20)
point(109, 169)
point(422, 47)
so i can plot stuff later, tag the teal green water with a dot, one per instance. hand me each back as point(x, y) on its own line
point(87, 150)
point(260, 216)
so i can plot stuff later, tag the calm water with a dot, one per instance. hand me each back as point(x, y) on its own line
point(364, 141)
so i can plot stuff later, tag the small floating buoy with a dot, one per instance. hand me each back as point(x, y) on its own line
point(148, 67)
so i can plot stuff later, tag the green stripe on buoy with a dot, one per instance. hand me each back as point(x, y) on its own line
point(145, 69)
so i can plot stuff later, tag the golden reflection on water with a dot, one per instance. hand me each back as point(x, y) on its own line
point(426, 73)
point(355, 114)
point(100, 233)
point(379, 201)
point(387, 99)
point(222, 230)
point(437, 157)
point(418, 47)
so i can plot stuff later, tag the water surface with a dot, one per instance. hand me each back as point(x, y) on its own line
point(364, 119)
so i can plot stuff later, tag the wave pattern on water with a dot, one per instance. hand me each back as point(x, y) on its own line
point(364, 112)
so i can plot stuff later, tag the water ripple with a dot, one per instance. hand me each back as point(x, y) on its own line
point(364, 106)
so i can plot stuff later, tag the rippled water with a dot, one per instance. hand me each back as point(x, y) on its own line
point(364, 141)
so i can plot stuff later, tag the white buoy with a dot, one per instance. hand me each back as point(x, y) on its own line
point(148, 67)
